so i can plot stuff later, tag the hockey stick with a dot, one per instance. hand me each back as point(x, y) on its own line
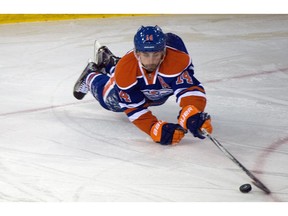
point(255, 180)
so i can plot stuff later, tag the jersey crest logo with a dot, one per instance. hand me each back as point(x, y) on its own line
point(155, 94)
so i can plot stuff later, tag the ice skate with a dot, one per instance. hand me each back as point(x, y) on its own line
point(80, 87)
point(104, 58)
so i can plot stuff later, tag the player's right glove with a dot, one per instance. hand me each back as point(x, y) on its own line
point(192, 119)
point(167, 133)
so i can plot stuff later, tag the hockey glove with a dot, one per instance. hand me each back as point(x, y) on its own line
point(167, 133)
point(192, 119)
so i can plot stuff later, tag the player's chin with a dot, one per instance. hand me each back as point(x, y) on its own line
point(151, 68)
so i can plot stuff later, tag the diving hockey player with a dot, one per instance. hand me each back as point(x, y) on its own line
point(159, 66)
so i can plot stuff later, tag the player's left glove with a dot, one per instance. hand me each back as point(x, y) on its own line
point(167, 133)
point(192, 119)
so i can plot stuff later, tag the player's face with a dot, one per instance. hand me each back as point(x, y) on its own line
point(150, 60)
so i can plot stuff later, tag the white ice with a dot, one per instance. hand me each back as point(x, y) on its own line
point(54, 148)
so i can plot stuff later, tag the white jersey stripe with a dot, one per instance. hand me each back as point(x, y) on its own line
point(134, 105)
point(137, 115)
point(193, 93)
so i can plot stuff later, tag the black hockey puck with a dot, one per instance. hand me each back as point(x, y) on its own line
point(245, 188)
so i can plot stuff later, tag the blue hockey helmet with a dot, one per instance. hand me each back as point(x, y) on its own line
point(149, 39)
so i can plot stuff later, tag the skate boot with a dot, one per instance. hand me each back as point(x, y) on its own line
point(81, 88)
point(104, 60)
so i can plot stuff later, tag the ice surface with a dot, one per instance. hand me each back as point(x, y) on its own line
point(57, 149)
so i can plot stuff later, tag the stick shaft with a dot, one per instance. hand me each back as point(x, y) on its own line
point(255, 181)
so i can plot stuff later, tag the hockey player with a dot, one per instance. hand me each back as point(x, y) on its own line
point(159, 66)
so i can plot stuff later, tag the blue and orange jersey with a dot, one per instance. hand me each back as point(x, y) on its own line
point(138, 89)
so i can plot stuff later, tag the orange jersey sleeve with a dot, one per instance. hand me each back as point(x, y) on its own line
point(191, 97)
point(143, 119)
point(126, 71)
